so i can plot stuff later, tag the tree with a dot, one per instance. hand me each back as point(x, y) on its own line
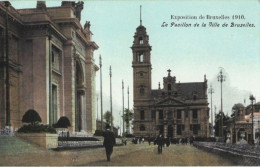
point(31, 116)
point(128, 117)
point(217, 123)
point(63, 122)
point(107, 117)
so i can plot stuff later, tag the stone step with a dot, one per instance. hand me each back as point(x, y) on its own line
point(14, 145)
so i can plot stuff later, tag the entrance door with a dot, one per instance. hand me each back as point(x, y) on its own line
point(170, 131)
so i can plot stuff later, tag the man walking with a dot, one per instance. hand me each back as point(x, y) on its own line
point(109, 141)
point(159, 142)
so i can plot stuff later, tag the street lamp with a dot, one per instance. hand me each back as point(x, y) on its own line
point(211, 90)
point(252, 98)
point(221, 78)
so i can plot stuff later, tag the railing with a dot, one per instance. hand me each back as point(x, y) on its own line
point(8, 131)
point(64, 133)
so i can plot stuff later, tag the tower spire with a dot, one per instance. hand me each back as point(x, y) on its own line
point(140, 14)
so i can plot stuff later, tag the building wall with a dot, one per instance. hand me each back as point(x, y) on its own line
point(29, 47)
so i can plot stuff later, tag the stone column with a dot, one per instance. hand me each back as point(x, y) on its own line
point(165, 131)
point(174, 130)
point(157, 118)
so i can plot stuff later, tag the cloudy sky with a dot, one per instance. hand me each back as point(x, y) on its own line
point(190, 52)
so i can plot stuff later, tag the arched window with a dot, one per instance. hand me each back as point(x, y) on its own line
point(141, 58)
point(169, 87)
point(141, 40)
point(142, 127)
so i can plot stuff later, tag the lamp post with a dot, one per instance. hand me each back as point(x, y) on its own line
point(221, 78)
point(252, 98)
point(211, 90)
point(123, 108)
point(101, 95)
point(110, 74)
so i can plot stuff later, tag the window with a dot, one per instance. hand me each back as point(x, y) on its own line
point(196, 128)
point(55, 57)
point(169, 114)
point(161, 114)
point(153, 114)
point(141, 89)
point(186, 113)
point(141, 58)
point(194, 97)
point(142, 127)
point(142, 115)
point(52, 57)
point(169, 87)
point(179, 129)
point(141, 74)
point(141, 40)
point(178, 114)
point(195, 114)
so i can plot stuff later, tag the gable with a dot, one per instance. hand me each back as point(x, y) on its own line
point(170, 101)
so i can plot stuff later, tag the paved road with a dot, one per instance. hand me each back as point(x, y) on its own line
point(140, 154)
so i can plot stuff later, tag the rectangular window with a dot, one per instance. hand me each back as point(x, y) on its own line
point(55, 58)
point(196, 128)
point(153, 114)
point(186, 113)
point(169, 114)
point(161, 114)
point(178, 114)
point(179, 127)
point(195, 114)
point(142, 115)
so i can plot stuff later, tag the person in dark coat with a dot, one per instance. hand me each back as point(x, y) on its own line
point(109, 141)
point(159, 142)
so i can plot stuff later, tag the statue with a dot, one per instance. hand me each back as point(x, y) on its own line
point(87, 26)
point(78, 9)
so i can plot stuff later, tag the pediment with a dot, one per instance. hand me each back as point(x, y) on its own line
point(170, 101)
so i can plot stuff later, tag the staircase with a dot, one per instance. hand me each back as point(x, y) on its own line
point(14, 145)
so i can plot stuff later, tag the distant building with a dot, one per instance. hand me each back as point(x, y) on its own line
point(38, 39)
point(176, 110)
point(241, 122)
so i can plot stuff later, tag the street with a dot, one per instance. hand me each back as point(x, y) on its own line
point(132, 154)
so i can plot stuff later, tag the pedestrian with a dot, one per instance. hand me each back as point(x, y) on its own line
point(109, 141)
point(142, 140)
point(149, 140)
point(159, 142)
point(125, 141)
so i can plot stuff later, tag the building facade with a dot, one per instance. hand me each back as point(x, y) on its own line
point(50, 64)
point(176, 110)
point(241, 123)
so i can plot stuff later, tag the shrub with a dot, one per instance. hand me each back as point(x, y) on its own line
point(99, 133)
point(129, 135)
point(36, 128)
point(63, 122)
point(31, 116)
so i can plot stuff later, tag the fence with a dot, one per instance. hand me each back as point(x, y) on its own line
point(241, 154)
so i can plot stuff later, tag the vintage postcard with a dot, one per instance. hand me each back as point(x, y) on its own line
point(130, 83)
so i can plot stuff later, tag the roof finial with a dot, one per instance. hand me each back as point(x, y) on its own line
point(169, 72)
point(140, 14)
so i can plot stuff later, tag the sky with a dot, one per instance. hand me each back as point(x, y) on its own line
point(190, 52)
